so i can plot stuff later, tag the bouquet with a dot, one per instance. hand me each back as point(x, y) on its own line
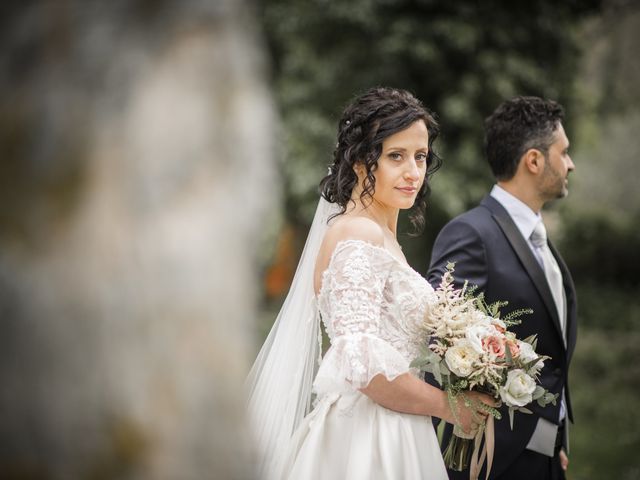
point(469, 347)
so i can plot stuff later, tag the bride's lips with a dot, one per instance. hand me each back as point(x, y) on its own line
point(408, 190)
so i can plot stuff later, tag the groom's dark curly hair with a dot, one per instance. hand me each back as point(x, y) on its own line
point(516, 126)
point(365, 123)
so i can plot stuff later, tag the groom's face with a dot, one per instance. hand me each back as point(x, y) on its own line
point(554, 182)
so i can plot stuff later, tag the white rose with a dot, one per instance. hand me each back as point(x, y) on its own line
point(518, 390)
point(478, 332)
point(460, 358)
point(528, 354)
point(496, 322)
point(489, 320)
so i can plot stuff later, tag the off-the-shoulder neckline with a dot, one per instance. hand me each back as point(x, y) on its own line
point(344, 242)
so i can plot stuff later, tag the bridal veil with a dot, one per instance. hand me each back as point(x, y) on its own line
point(281, 378)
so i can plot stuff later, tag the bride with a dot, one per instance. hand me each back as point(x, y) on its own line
point(371, 414)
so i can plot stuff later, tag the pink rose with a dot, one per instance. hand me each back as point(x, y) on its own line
point(515, 349)
point(494, 344)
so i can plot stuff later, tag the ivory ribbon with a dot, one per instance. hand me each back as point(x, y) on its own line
point(487, 450)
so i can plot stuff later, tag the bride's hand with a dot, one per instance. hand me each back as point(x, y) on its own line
point(469, 418)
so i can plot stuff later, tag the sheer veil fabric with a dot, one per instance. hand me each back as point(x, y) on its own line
point(279, 383)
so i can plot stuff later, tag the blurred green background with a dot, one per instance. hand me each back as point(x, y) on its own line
point(462, 59)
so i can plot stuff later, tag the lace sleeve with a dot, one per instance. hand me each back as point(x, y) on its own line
point(351, 303)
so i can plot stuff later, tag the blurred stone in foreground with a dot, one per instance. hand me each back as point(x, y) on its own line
point(135, 166)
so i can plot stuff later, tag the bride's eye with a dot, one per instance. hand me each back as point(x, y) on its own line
point(396, 156)
point(421, 157)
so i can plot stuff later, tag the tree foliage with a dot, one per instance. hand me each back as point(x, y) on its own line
point(461, 58)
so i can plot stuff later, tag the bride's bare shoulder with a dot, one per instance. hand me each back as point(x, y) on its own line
point(352, 228)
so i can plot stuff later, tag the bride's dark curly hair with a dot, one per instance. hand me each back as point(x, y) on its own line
point(366, 122)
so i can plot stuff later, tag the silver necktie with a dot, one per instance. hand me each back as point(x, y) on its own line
point(551, 271)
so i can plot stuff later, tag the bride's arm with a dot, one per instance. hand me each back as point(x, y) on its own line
point(408, 394)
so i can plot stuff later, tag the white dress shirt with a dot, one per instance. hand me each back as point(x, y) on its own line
point(524, 218)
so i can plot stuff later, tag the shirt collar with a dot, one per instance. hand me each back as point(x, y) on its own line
point(524, 218)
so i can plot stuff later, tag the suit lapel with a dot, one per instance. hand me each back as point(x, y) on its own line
point(570, 291)
point(528, 260)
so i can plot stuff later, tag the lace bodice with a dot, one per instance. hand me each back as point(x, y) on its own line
point(372, 306)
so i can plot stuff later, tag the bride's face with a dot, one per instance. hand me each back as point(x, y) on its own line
point(402, 167)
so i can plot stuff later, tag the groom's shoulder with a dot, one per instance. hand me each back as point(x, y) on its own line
point(476, 223)
point(477, 217)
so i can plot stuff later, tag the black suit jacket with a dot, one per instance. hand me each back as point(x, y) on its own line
point(489, 251)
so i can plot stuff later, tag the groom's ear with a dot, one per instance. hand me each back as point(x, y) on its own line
point(533, 161)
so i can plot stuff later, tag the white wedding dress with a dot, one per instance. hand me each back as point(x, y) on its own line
point(372, 306)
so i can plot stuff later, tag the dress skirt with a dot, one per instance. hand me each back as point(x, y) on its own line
point(349, 436)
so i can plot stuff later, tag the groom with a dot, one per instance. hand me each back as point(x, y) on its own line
point(501, 247)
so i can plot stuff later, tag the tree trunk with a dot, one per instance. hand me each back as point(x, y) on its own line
point(136, 166)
